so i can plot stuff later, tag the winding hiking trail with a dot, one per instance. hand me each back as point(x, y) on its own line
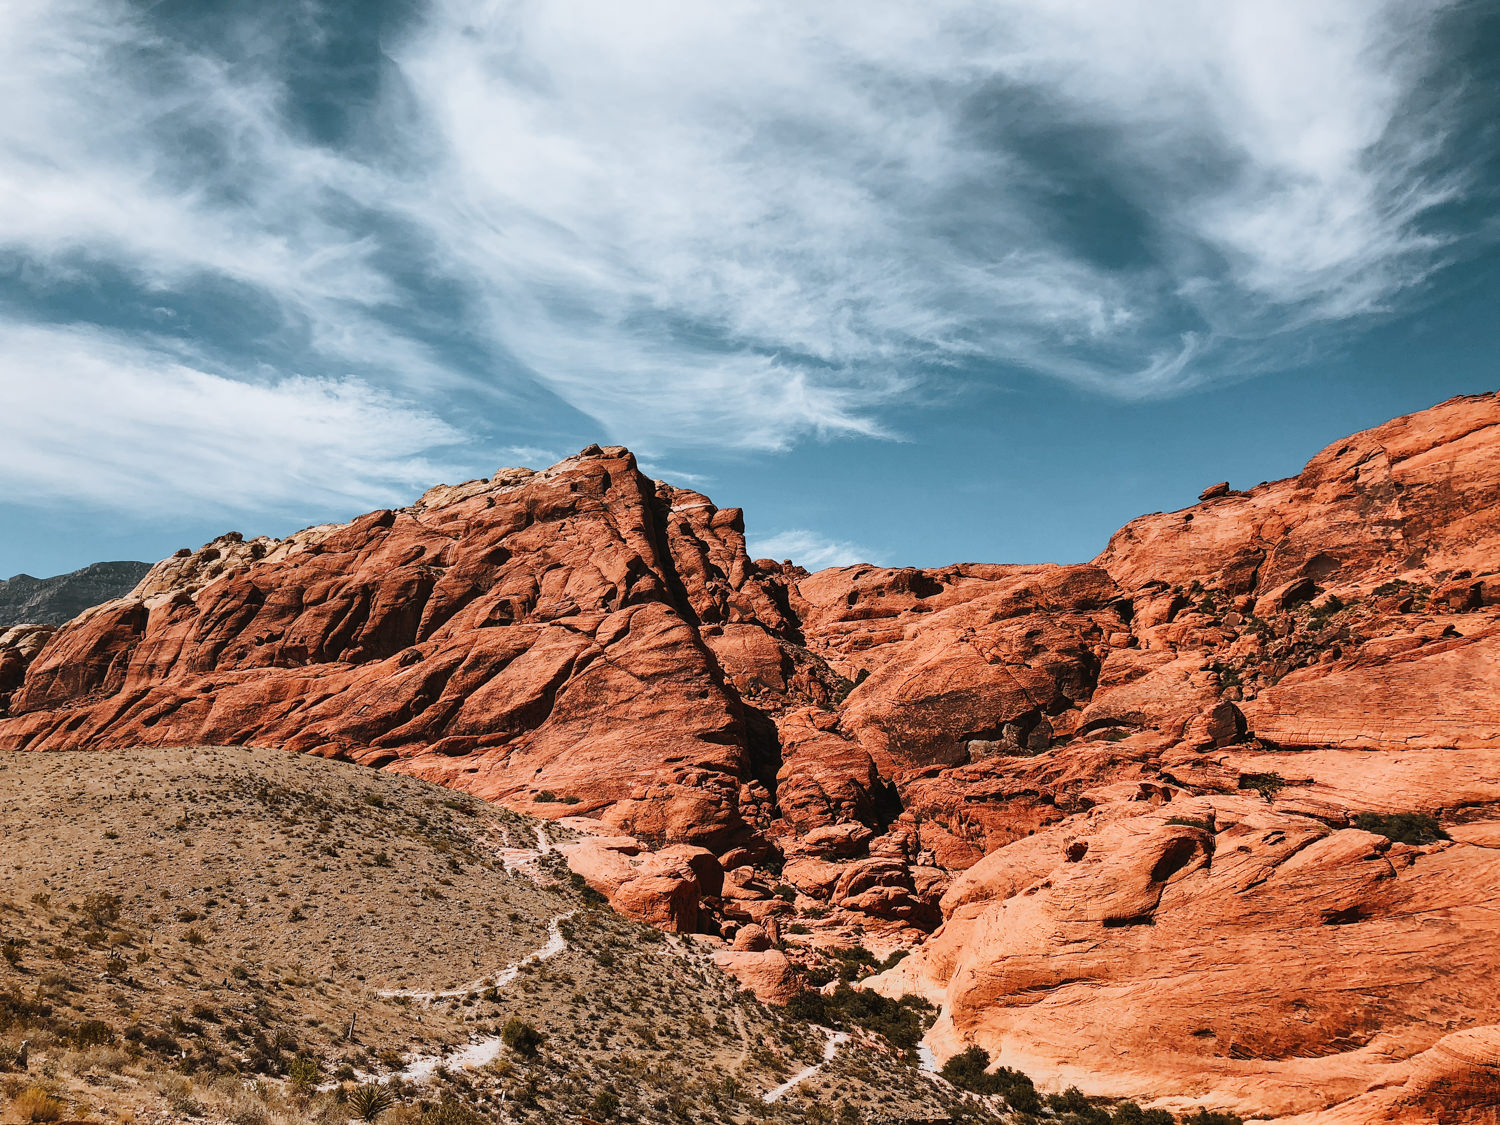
point(836, 1039)
point(480, 1051)
point(555, 944)
point(477, 1053)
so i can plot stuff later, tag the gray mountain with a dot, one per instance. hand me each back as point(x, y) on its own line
point(52, 601)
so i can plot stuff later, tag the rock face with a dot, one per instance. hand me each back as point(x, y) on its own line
point(1155, 793)
point(25, 600)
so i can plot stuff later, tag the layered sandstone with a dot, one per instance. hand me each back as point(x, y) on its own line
point(1122, 794)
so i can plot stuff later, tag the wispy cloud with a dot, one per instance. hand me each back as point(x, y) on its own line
point(809, 549)
point(86, 416)
point(732, 225)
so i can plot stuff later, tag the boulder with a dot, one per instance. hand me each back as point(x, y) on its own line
point(751, 939)
point(768, 974)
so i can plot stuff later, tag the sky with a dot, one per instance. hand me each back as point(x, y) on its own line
point(911, 284)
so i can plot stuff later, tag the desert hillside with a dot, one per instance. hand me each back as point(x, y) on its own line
point(1213, 820)
point(248, 936)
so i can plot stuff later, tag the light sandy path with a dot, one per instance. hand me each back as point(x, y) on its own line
point(480, 1051)
point(555, 944)
point(836, 1039)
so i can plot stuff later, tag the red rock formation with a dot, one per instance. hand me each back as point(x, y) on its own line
point(536, 635)
point(999, 749)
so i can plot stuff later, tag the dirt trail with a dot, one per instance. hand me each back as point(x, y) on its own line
point(836, 1039)
point(555, 944)
point(480, 1051)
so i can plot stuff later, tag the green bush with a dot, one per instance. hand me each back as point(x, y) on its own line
point(450, 1112)
point(1205, 1117)
point(969, 1070)
point(1128, 1113)
point(520, 1036)
point(101, 909)
point(1403, 828)
point(303, 1073)
point(93, 1033)
point(900, 1022)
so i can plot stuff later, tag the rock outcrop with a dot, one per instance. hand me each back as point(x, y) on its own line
point(1231, 790)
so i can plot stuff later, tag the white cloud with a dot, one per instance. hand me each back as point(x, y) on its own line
point(530, 456)
point(778, 214)
point(809, 549)
point(86, 416)
point(741, 224)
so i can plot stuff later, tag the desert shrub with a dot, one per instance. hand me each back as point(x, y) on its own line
point(179, 1095)
point(900, 1022)
point(1403, 828)
point(969, 1070)
point(369, 1101)
point(194, 937)
point(1073, 1107)
point(16, 1009)
point(1207, 1117)
point(303, 1073)
point(587, 893)
point(545, 797)
point(1266, 784)
point(93, 1033)
point(851, 962)
point(1128, 1113)
point(606, 1104)
point(100, 908)
point(11, 951)
point(520, 1036)
point(1327, 607)
point(35, 1104)
point(449, 1112)
point(250, 1114)
point(382, 858)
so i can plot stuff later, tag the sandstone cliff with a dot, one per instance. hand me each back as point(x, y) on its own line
point(1154, 794)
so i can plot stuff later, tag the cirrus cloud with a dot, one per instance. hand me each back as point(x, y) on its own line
point(729, 226)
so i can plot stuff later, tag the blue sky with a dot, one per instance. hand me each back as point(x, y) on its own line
point(909, 283)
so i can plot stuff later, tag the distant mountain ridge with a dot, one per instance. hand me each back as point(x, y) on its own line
point(25, 600)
